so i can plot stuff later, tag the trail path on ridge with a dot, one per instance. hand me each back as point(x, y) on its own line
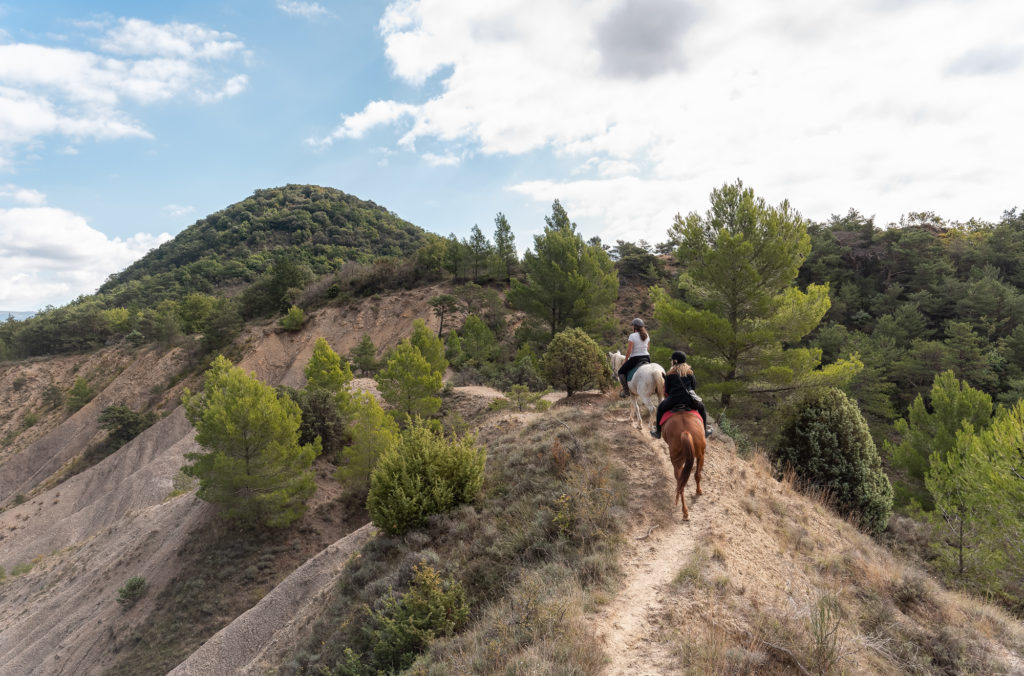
point(659, 544)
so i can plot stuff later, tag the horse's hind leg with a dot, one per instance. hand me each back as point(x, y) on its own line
point(684, 476)
point(699, 469)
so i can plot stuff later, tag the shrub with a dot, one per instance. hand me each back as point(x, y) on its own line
point(135, 337)
point(294, 319)
point(827, 444)
point(523, 399)
point(131, 591)
point(79, 395)
point(406, 625)
point(427, 473)
point(19, 383)
point(30, 419)
point(574, 362)
point(53, 397)
point(21, 569)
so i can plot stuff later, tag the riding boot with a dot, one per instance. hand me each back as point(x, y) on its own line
point(625, 386)
point(656, 433)
point(704, 417)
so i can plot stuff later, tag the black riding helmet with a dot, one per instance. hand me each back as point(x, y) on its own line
point(679, 357)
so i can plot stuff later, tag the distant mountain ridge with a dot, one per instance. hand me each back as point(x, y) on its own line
point(5, 314)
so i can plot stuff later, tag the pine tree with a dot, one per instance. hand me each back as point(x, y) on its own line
point(373, 433)
point(505, 247)
point(740, 308)
point(444, 304)
point(364, 356)
point(325, 370)
point(429, 345)
point(568, 282)
point(930, 430)
point(253, 467)
point(478, 341)
point(409, 383)
point(479, 251)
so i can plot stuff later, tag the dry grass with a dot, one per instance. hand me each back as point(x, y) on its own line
point(534, 552)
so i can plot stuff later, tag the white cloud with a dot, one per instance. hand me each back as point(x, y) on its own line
point(51, 255)
point(446, 160)
point(137, 37)
point(307, 10)
point(375, 113)
point(232, 87)
point(830, 104)
point(19, 195)
point(178, 210)
point(77, 94)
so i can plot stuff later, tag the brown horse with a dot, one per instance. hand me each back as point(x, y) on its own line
point(684, 432)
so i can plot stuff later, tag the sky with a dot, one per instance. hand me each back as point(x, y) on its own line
point(122, 123)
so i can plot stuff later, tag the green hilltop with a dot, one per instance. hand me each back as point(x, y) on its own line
point(316, 226)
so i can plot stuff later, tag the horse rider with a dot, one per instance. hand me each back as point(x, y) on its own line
point(636, 353)
point(680, 392)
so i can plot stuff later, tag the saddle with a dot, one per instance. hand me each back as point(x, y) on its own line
point(678, 409)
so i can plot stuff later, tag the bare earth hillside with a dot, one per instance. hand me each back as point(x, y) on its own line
point(83, 538)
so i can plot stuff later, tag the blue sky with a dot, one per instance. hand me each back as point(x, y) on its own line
point(121, 123)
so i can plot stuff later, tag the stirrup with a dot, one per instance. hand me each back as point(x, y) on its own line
point(656, 434)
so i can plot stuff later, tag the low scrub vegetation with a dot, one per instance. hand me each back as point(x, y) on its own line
point(131, 591)
point(528, 552)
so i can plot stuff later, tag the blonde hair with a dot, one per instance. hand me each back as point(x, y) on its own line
point(682, 369)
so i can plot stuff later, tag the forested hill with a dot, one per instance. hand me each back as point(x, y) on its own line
point(315, 226)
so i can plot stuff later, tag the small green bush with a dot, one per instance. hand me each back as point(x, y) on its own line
point(53, 397)
point(405, 626)
point(574, 362)
point(427, 473)
point(131, 591)
point(294, 319)
point(827, 443)
point(30, 419)
point(135, 337)
point(19, 383)
point(79, 395)
point(21, 569)
point(523, 399)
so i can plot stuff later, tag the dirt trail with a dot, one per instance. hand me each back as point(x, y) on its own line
point(659, 545)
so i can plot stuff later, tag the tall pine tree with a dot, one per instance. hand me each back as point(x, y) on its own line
point(253, 467)
point(569, 282)
point(740, 310)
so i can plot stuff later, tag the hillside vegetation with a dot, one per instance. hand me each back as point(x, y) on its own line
point(863, 383)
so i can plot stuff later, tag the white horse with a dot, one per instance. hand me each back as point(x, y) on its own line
point(647, 386)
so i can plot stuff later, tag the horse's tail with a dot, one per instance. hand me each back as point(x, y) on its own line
point(689, 452)
point(659, 386)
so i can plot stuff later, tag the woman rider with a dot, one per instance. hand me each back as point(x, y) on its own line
point(636, 353)
point(680, 386)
